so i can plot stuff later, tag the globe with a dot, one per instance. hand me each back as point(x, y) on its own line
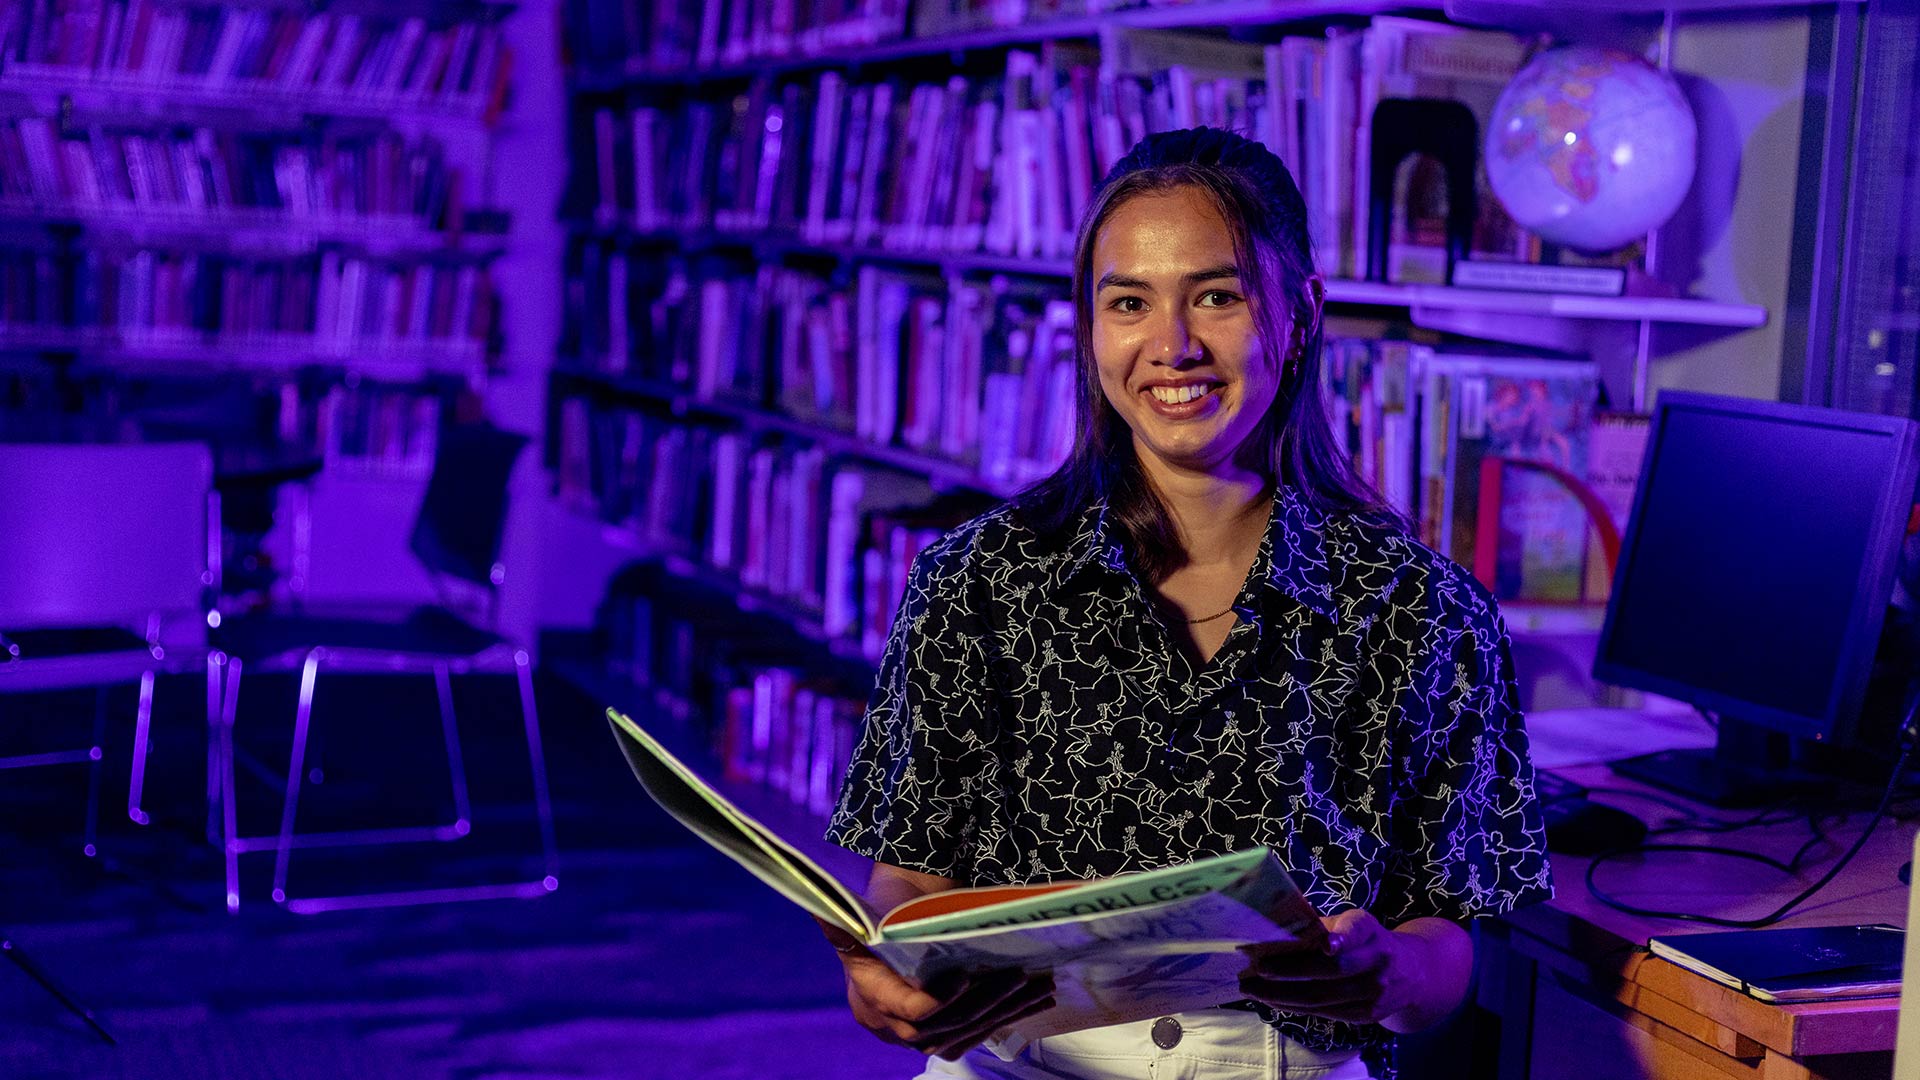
point(1590, 148)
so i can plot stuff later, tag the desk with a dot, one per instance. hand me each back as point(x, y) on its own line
point(1579, 997)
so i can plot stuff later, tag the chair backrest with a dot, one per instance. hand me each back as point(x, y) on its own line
point(102, 534)
point(464, 513)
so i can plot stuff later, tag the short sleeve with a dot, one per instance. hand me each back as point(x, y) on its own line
point(909, 794)
point(1467, 836)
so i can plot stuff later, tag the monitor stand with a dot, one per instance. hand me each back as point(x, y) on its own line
point(1748, 766)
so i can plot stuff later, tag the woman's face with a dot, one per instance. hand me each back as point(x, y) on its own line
point(1174, 338)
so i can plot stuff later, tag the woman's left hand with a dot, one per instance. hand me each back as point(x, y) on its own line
point(1405, 979)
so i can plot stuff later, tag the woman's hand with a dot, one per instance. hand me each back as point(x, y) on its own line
point(1404, 979)
point(946, 1018)
point(949, 1017)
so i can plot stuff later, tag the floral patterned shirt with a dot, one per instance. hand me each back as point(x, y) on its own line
point(1034, 721)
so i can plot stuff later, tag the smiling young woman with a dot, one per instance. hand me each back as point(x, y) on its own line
point(1201, 634)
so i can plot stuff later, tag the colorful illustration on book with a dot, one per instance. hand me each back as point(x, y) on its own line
point(1543, 528)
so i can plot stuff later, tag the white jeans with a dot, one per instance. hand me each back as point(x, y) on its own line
point(1211, 1044)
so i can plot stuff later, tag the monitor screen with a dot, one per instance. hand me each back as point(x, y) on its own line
point(1759, 537)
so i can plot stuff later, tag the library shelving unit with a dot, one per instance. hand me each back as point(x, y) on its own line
point(743, 82)
point(255, 190)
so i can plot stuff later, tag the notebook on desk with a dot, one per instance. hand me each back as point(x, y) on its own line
point(1784, 966)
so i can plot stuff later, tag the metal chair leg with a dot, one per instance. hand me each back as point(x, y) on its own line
point(287, 839)
point(88, 846)
point(136, 784)
point(296, 773)
point(229, 812)
point(542, 800)
point(456, 764)
point(216, 672)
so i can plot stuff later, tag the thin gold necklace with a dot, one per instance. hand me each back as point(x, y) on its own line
point(1210, 618)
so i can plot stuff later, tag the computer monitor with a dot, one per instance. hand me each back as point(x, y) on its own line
point(1753, 577)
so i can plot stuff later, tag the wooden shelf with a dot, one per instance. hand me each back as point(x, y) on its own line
point(1630, 309)
point(1236, 13)
point(835, 440)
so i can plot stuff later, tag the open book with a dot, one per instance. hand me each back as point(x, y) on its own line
point(1120, 949)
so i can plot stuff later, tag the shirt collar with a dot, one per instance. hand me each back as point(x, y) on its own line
point(1294, 557)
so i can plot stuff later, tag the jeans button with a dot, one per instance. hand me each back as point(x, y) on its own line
point(1166, 1033)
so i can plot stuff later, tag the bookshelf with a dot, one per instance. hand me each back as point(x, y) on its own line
point(262, 189)
point(636, 72)
point(266, 223)
point(685, 213)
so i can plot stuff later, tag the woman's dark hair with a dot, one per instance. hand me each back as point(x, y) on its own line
point(1293, 444)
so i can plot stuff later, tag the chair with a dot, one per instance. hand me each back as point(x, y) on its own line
point(108, 550)
point(457, 538)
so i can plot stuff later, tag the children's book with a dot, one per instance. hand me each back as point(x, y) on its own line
point(1120, 949)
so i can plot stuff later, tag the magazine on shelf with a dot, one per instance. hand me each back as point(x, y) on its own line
point(1120, 949)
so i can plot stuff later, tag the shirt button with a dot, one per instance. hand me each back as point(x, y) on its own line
point(1166, 1033)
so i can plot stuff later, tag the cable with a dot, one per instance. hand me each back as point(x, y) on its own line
point(1790, 867)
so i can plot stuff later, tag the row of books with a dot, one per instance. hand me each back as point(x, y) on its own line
point(786, 733)
point(333, 300)
point(995, 165)
point(1419, 421)
point(303, 177)
point(1007, 164)
point(982, 373)
point(674, 36)
point(403, 61)
point(770, 719)
point(366, 428)
point(830, 539)
point(670, 36)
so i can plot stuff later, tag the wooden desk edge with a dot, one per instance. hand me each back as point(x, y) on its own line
point(1620, 969)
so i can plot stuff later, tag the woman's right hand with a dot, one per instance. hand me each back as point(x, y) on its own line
point(949, 1016)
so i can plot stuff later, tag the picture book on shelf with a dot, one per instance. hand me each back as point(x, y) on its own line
point(1120, 949)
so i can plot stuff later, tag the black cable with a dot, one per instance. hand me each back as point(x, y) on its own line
point(1893, 784)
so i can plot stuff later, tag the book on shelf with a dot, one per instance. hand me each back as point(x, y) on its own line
point(668, 37)
point(371, 428)
point(1418, 420)
point(893, 358)
point(380, 181)
point(1534, 410)
point(1005, 163)
point(825, 535)
point(329, 304)
point(1616, 447)
point(1119, 949)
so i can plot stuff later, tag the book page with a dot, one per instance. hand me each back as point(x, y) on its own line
point(708, 814)
point(975, 909)
point(1114, 968)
